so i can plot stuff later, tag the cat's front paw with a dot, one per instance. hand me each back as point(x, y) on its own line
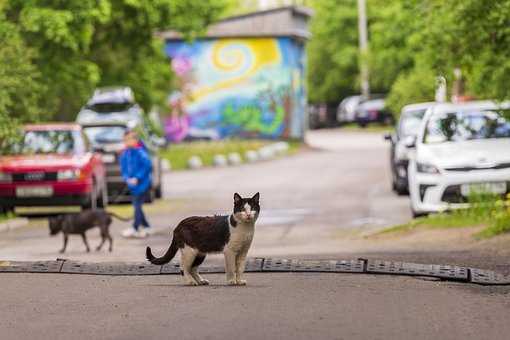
point(241, 282)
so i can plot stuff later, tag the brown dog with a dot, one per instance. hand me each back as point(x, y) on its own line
point(79, 223)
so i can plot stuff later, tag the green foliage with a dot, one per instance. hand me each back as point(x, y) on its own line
point(333, 51)
point(410, 43)
point(415, 86)
point(63, 49)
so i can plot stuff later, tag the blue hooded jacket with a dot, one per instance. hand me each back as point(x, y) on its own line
point(135, 162)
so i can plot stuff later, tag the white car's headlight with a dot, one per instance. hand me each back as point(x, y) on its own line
point(426, 168)
point(5, 177)
point(65, 175)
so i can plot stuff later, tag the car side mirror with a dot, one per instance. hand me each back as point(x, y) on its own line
point(388, 137)
point(410, 141)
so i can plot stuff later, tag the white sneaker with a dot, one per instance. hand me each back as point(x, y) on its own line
point(149, 231)
point(130, 232)
point(141, 233)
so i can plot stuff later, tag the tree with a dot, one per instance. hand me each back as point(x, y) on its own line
point(81, 44)
point(473, 35)
point(333, 51)
point(18, 81)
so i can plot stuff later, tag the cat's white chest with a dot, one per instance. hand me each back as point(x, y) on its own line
point(240, 238)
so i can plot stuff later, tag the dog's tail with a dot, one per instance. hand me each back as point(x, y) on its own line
point(169, 255)
point(119, 217)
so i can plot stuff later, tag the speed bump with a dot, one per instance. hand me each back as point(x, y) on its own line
point(488, 277)
point(143, 268)
point(416, 269)
point(31, 267)
point(267, 265)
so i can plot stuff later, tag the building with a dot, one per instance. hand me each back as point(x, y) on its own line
point(245, 77)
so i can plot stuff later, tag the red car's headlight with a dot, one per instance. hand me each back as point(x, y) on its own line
point(5, 177)
point(67, 175)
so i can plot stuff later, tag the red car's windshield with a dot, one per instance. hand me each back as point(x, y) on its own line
point(47, 142)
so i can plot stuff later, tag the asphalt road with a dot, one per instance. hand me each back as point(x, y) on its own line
point(272, 306)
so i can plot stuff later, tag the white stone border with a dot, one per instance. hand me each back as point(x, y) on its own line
point(265, 153)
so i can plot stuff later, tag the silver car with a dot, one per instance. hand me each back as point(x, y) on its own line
point(111, 105)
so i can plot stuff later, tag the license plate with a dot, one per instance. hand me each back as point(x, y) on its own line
point(491, 188)
point(108, 158)
point(35, 191)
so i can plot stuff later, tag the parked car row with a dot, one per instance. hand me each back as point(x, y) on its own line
point(443, 153)
point(77, 163)
point(352, 109)
point(363, 111)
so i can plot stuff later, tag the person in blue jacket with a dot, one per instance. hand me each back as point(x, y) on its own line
point(136, 169)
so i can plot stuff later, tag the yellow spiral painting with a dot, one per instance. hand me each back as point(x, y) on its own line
point(238, 60)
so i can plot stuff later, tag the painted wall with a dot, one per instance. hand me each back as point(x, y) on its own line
point(251, 87)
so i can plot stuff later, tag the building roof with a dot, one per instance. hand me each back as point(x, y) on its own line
point(288, 21)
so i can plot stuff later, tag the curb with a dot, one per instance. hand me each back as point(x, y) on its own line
point(267, 265)
point(265, 153)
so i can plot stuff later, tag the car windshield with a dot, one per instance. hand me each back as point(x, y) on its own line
point(109, 107)
point(461, 126)
point(410, 122)
point(105, 134)
point(46, 142)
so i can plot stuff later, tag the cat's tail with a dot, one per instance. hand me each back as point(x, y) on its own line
point(169, 255)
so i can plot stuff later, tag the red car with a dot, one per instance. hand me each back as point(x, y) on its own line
point(52, 165)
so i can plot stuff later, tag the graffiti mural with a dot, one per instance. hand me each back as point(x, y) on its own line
point(250, 87)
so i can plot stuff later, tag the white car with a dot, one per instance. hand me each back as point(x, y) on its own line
point(111, 105)
point(460, 148)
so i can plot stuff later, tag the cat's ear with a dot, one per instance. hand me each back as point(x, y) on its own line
point(237, 197)
point(256, 197)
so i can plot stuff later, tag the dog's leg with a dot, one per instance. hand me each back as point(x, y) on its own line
point(84, 237)
point(230, 266)
point(65, 244)
point(194, 269)
point(110, 241)
point(103, 239)
point(187, 258)
point(240, 264)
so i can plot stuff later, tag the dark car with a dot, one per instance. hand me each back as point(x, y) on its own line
point(52, 165)
point(402, 141)
point(107, 139)
point(373, 111)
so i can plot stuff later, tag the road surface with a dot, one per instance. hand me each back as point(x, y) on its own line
point(272, 306)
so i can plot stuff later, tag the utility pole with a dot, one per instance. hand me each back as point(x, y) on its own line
point(363, 47)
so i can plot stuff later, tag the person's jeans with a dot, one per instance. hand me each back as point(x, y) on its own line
point(140, 219)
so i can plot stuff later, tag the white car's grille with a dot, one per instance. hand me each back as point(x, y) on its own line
point(474, 168)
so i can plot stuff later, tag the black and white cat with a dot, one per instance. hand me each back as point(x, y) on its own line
point(197, 236)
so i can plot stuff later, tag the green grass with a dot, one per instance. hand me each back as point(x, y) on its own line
point(5, 217)
point(374, 127)
point(486, 210)
point(455, 219)
point(179, 154)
